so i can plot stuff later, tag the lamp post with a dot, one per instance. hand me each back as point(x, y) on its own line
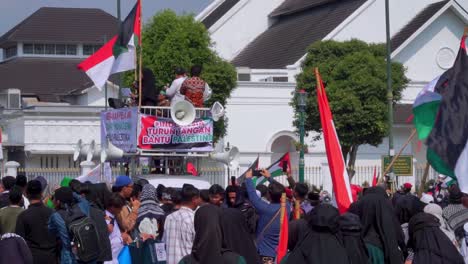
point(391, 151)
point(301, 103)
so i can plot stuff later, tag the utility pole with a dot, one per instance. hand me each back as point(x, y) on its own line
point(391, 151)
point(301, 105)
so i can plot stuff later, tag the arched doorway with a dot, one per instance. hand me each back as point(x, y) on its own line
point(281, 143)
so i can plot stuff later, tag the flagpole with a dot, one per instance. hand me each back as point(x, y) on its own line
point(391, 150)
point(389, 167)
point(141, 59)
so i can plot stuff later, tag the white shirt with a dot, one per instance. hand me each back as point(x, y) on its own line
point(174, 91)
point(116, 240)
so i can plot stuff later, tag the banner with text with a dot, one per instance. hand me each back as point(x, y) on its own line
point(120, 126)
point(162, 134)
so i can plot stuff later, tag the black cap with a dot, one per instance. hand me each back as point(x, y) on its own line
point(64, 195)
point(179, 71)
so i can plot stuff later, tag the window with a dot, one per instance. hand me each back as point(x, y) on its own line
point(50, 49)
point(89, 49)
point(60, 49)
point(38, 49)
point(28, 48)
point(10, 52)
point(71, 49)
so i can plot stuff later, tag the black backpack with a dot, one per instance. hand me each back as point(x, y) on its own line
point(83, 234)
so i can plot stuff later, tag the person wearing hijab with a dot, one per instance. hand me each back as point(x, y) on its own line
point(436, 210)
point(150, 215)
point(429, 243)
point(323, 242)
point(236, 197)
point(208, 244)
point(149, 92)
point(455, 213)
point(380, 227)
point(350, 226)
point(405, 207)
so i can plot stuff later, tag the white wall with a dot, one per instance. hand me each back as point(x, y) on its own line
point(95, 97)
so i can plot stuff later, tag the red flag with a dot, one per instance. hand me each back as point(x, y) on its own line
point(191, 169)
point(339, 175)
point(283, 240)
point(374, 179)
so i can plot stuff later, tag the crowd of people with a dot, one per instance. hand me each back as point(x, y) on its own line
point(136, 221)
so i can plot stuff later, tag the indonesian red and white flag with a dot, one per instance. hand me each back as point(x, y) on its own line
point(118, 54)
point(339, 175)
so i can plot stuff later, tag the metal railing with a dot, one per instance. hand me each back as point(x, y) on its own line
point(165, 111)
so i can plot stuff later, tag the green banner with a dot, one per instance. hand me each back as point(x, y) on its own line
point(403, 166)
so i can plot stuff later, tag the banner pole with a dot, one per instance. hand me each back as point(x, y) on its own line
point(140, 63)
point(413, 133)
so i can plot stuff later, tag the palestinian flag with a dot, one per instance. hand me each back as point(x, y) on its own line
point(117, 55)
point(425, 108)
point(253, 166)
point(447, 149)
point(279, 168)
point(338, 172)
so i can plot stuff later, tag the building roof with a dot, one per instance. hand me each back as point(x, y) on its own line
point(292, 6)
point(63, 25)
point(45, 78)
point(287, 40)
point(219, 12)
point(418, 21)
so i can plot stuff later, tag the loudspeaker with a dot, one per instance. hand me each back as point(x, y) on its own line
point(182, 113)
point(217, 111)
point(77, 150)
point(230, 158)
point(111, 152)
point(90, 151)
point(93, 151)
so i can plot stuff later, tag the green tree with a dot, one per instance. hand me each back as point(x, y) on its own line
point(171, 41)
point(354, 73)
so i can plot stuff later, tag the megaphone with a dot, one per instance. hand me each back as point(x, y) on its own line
point(182, 113)
point(77, 150)
point(93, 151)
point(111, 152)
point(230, 158)
point(217, 111)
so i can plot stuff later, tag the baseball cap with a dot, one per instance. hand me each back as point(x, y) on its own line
point(407, 185)
point(122, 181)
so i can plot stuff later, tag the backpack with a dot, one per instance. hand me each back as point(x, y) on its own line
point(83, 234)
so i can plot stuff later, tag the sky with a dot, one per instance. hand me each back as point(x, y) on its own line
point(14, 11)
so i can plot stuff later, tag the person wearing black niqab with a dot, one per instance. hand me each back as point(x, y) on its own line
point(149, 91)
point(380, 228)
point(350, 226)
point(406, 207)
point(208, 244)
point(323, 243)
point(429, 243)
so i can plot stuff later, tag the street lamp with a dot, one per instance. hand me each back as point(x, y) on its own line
point(301, 103)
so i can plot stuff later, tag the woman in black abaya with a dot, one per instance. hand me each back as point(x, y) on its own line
point(429, 243)
point(350, 226)
point(380, 228)
point(208, 244)
point(323, 243)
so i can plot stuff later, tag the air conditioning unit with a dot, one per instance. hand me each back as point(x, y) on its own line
point(10, 98)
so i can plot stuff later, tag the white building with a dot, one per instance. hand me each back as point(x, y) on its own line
point(267, 39)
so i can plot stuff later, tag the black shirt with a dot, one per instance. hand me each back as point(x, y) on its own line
point(32, 225)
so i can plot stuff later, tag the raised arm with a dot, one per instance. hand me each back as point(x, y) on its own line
point(256, 201)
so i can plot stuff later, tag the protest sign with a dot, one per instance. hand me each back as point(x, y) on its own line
point(120, 125)
point(162, 134)
point(94, 176)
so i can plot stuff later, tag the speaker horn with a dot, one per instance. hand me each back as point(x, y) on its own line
point(217, 111)
point(111, 152)
point(182, 113)
point(230, 158)
point(77, 150)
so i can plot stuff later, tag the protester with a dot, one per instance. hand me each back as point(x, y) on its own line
point(297, 230)
point(300, 194)
point(429, 243)
point(205, 196)
point(173, 92)
point(169, 196)
point(381, 230)
point(436, 210)
point(406, 207)
point(350, 226)
point(7, 182)
point(32, 226)
point(268, 228)
point(21, 182)
point(9, 214)
point(314, 199)
point(150, 217)
point(263, 189)
point(404, 190)
point(236, 197)
point(114, 206)
point(63, 202)
point(14, 250)
point(216, 193)
point(79, 193)
point(208, 243)
point(321, 244)
point(237, 235)
point(195, 89)
point(455, 213)
point(127, 218)
point(149, 91)
point(179, 231)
